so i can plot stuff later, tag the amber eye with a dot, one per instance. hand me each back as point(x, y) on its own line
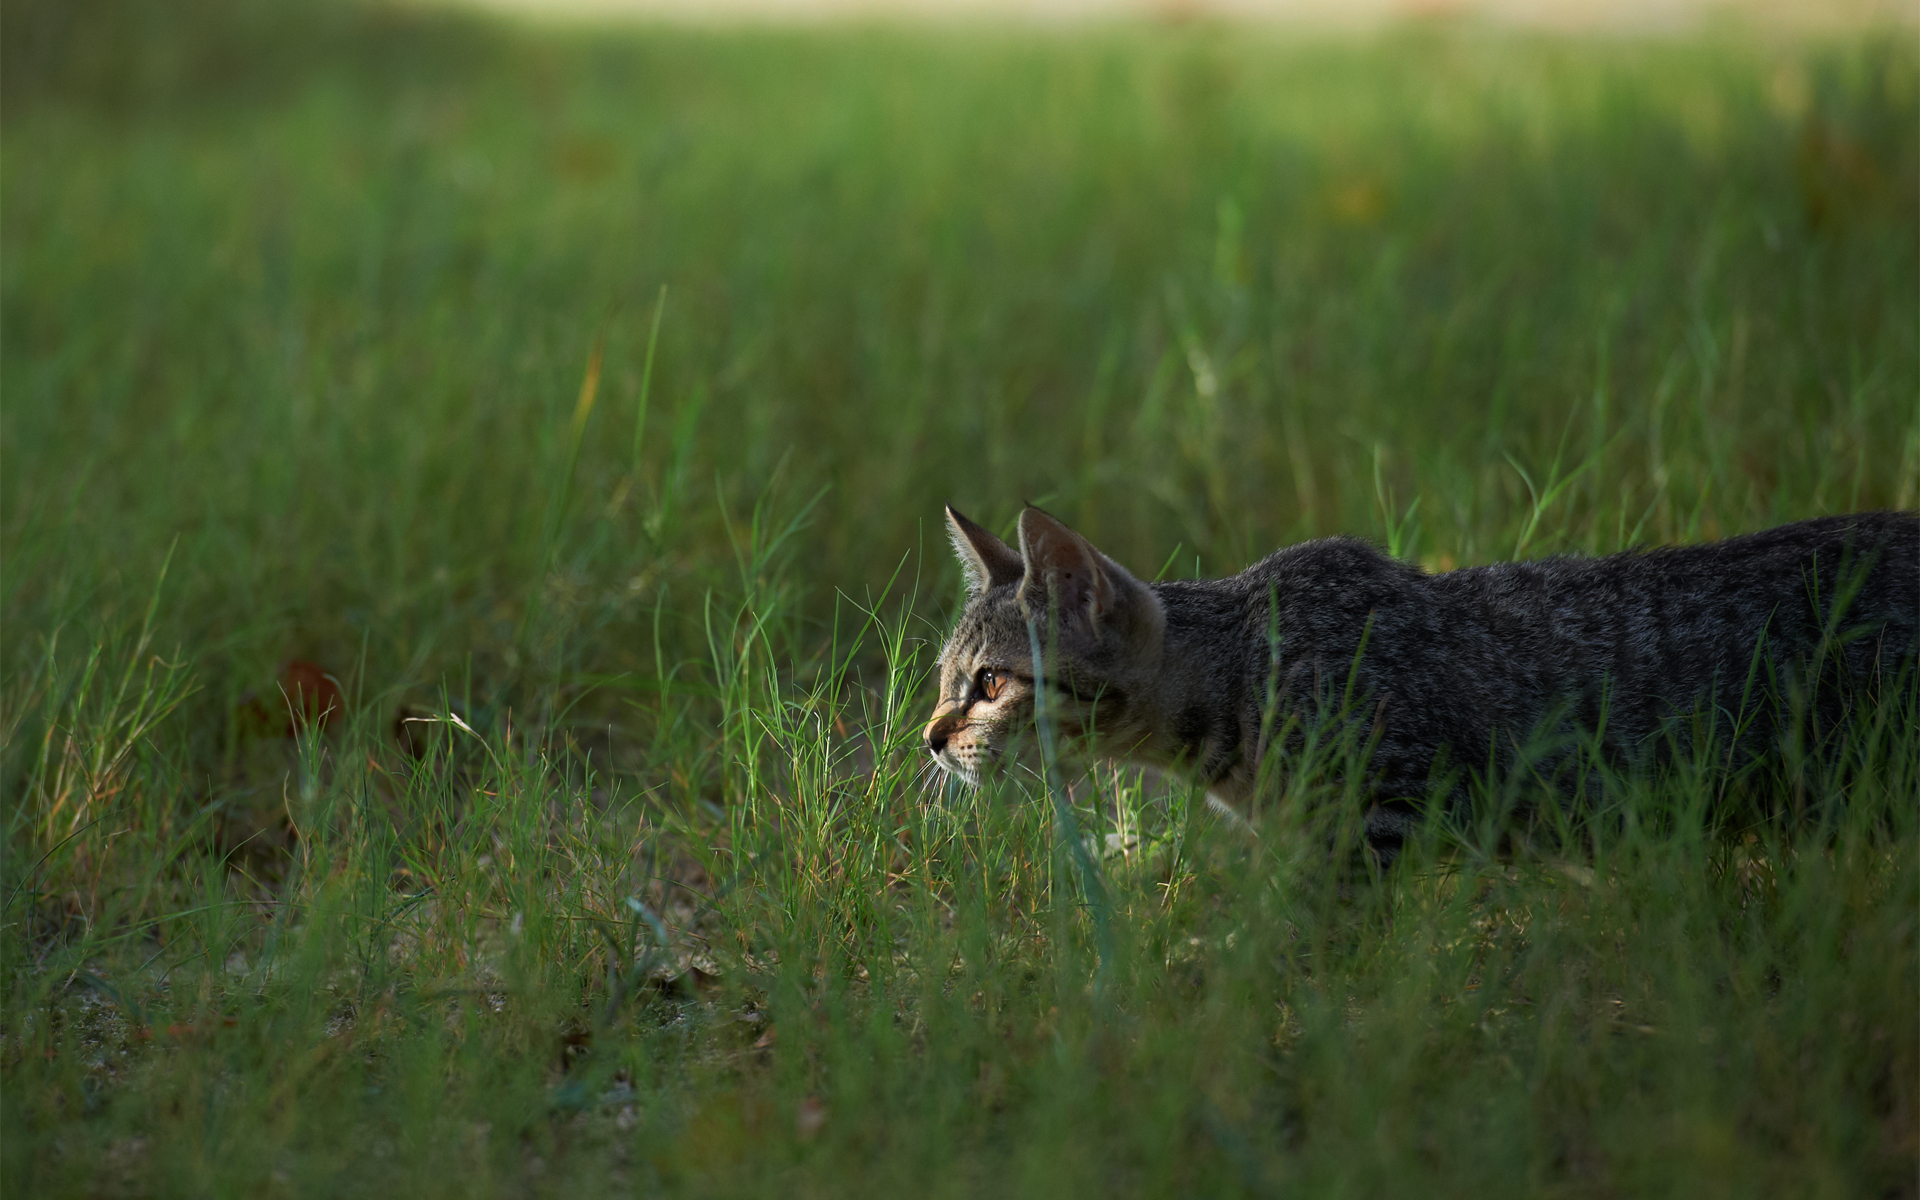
point(990, 683)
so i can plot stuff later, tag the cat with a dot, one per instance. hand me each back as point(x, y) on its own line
point(1447, 674)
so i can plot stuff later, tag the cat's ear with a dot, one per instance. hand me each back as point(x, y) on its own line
point(987, 561)
point(1084, 586)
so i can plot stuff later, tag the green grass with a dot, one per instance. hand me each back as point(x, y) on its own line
point(296, 314)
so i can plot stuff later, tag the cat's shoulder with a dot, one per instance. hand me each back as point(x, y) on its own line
point(1331, 561)
point(1339, 571)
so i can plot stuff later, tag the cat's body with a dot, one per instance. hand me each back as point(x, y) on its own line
point(1458, 671)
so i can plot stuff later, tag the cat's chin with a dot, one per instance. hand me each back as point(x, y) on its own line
point(984, 765)
point(954, 769)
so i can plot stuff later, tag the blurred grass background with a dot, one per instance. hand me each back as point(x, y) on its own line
point(296, 303)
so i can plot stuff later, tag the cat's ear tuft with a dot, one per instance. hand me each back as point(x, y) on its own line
point(1064, 571)
point(987, 561)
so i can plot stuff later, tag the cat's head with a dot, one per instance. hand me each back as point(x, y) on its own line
point(1100, 632)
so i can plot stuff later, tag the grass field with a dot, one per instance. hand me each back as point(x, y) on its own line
point(327, 347)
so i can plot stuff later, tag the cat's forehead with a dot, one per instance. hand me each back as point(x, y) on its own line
point(991, 630)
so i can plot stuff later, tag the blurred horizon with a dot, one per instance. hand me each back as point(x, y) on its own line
point(1571, 16)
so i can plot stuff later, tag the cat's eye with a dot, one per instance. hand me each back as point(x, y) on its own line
point(991, 683)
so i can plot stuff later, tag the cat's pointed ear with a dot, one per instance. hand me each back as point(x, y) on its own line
point(1064, 570)
point(987, 561)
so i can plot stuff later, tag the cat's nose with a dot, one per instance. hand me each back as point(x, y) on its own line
point(936, 737)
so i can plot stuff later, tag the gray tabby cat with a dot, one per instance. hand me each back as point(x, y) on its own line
point(1445, 671)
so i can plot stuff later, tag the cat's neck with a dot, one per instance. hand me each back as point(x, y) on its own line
point(1193, 699)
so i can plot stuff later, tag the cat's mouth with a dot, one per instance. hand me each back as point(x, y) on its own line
point(963, 764)
point(974, 762)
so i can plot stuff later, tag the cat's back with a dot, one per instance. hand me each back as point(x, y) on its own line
point(1781, 578)
point(1784, 579)
point(1664, 628)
